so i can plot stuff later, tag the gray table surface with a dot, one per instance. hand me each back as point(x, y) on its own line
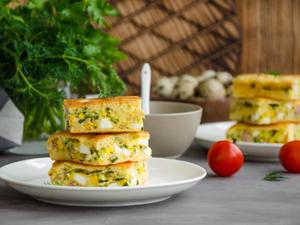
point(242, 199)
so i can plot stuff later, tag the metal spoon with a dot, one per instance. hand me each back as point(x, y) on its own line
point(145, 87)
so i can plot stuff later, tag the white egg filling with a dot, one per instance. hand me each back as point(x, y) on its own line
point(266, 120)
point(84, 149)
point(105, 123)
point(113, 185)
point(255, 116)
point(136, 126)
point(280, 116)
point(255, 133)
point(121, 151)
point(147, 152)
point(80, 179)
point(134, 179)
point(289, 106)
point(143, 141)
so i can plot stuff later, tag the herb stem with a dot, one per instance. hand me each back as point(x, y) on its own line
point(75, 59)
point(52, 118)
point(275, 176)
point(68, 57)
point(19, 70)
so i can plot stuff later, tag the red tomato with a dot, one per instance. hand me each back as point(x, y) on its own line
point(289, 156)
point(225, 158)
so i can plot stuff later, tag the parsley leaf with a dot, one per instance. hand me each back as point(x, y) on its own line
point(46, 43)
point(275, 176)
point(274, 73)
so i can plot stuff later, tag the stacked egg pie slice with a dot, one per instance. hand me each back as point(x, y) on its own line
point(103, 144)
point(267, 108)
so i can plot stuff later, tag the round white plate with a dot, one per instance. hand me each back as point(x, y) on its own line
point(209, 133)
point(166, 178)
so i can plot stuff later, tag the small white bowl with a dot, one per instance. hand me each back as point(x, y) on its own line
point(172, 127)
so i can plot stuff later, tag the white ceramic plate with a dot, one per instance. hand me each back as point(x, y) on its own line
point(167, 177)
point(209, 133)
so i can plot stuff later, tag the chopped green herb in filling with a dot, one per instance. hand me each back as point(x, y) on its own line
point(273, 105)
point(274, 73)
point(268, 88)
point(113, 159)
point(248, 104)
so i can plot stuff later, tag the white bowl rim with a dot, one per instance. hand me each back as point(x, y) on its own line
point(198, 109)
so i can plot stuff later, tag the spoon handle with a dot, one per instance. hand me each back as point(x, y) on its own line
point(145, 87)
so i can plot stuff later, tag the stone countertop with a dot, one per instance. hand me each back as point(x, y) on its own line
point(242, 199)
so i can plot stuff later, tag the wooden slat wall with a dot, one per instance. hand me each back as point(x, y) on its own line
point(271, 35)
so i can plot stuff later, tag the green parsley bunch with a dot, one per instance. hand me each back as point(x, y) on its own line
point(44, 43)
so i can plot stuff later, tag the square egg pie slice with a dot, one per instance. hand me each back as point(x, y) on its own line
point(99, 149)
point(75, 174)
point(276, 133)
point(265, 85)
point(264, 111)
point(117, 114)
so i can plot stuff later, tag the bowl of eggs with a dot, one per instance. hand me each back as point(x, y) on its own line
point(211, 90)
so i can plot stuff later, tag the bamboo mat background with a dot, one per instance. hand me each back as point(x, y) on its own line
point(176, 37)
point(271, 35)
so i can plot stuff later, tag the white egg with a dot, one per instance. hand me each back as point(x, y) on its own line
point(143, 141)
point(134, 177)
point(224, 77)
point(255, 116)
point(280, 116)
point(266, 120)
point(186, 87)
point(113, 185)
point(147, 152)
point(84, 149)
point(80, 179)
point(295, 88)
point(136, 125)
point(212, 88)
point(105, 123)
point(206, 75)
point(289, 106)
point(255, 133)
point(121, 151)
point(165, 86)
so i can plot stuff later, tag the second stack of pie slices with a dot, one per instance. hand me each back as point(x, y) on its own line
point(267, 108)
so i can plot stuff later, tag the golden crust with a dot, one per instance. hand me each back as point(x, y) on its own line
point(112, 131)
point(266, 77)
point(96, 101)
point(264, 100)
point(282, 87)
point(270, 75)
point(265, 126)
point(276, 82)
point(58, 164)
point(94, 137)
